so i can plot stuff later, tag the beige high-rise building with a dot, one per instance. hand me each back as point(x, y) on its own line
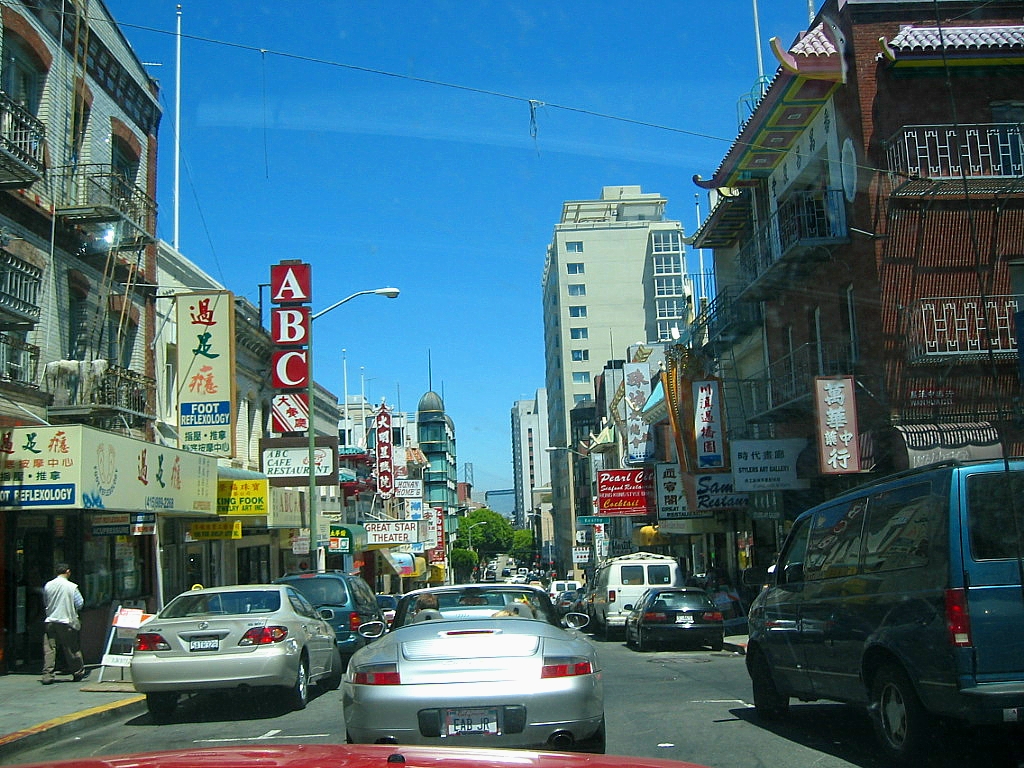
point(615, 275)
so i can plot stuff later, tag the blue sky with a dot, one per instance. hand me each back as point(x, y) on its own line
point(392, 144)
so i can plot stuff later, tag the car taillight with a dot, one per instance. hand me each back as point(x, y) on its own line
point(377, 674)
point(151, 641)
point(354, 620)
point(611, 595)
point(713, 616)
point(958, 618)
point(568, 666)
point(654, 617)
point(264, 636)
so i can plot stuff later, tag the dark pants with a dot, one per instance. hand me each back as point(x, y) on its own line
point(65, 638)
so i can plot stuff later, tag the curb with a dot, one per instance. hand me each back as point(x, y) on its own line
point(12, 743)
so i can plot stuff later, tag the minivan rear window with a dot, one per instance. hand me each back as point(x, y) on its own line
point(632, 575)
point(994, 507)
point(658, 575)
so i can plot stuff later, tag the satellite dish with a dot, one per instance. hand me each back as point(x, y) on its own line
point(848, 158)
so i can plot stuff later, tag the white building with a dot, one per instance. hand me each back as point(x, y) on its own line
point(615, 274)
point(531, 465)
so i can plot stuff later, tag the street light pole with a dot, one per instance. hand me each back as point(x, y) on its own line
point(390, 293)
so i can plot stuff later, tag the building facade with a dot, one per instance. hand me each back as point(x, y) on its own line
point(531, 467)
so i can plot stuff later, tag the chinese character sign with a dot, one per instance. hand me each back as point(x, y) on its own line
point(708, 425)
point(637, 385)
point(384, 453)
point(671, 493)
point(624, 491)
point(838, 435)
point(206, 372)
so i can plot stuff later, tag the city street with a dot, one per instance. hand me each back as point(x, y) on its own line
point(681, 705)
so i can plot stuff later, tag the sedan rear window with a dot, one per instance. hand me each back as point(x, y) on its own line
point(222, 603)
point(682, 601)
point(322, 592)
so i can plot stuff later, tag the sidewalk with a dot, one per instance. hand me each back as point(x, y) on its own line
point(31, 711)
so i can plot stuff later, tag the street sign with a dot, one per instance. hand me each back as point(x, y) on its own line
point(592, 520)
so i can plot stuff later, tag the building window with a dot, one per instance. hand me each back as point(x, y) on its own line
point(578, 333)
point(581, 377)
point(578, 310)
point(580, 398)
point(668, 286)
point(668, 265)
point(577, 289)
point(580, 355)
point(670, 308)
point(575, 246)
point(669, 330)
point(574, 268)
point(23, 74)
point(667, 241)
point(123, 160)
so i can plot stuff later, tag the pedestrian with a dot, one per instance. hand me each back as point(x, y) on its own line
point(63, 602)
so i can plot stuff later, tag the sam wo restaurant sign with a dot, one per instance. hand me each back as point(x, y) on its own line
point(624, 491)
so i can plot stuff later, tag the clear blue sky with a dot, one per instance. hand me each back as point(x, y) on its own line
point(344, 144)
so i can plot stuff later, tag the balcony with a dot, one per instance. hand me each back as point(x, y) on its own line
point(787, 384)
point(794, 238)
point(22, 145)
point(725, 319)
point(107, 206)
point(961, 329)
point(19, 292)
point(90, 390)
point(19, 362)
point(922, 157)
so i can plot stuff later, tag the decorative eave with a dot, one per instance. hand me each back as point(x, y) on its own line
point(810, 71)
point(984, 46)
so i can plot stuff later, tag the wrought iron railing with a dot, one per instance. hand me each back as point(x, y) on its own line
point(99, 384)
point(98, 191)
point(965, 327)
point(725, 317)
point(802, 221)
point(791, 377)
point(19, 361)
point(23, 139)
point(984, 150)
point(19, 288)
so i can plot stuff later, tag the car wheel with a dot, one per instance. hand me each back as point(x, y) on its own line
point(332, 681)
point(717, 643)
point(769, 702)
point(595, 744)
point(161, 705)
point(900, 720)
point(641, 642)
point(298, 694)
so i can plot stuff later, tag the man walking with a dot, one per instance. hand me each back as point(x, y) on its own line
point(63, 601)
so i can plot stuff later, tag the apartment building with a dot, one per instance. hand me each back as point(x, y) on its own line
point(530, 460)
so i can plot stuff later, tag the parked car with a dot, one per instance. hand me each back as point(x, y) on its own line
point(564, 600)
point(344, 599)
point(387, 605)
point(621, 580)
point(674, 616)
point(902, 596)
point(478, 665)
point(234, 638)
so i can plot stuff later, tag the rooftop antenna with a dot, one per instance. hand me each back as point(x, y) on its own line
point(430, 374)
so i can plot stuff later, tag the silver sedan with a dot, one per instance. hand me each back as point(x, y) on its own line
point(234, 638)
point(477, 665)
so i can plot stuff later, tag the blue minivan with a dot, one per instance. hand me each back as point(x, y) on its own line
point(903, 595)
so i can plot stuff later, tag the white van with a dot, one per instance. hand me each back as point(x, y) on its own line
point(558, 586)
point(621, 580)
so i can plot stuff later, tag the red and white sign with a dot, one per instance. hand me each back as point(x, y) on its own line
point(289, 326)
point(838, 433)
point(384, 453)
point(289, 412)
point(437, 554)
point(624, 491)
point(291, 282)
point(289, 369)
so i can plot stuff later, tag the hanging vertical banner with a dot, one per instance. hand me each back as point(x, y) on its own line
point(206, 372)
point(838, 434)
point(708, 425)
point(291, 291)
point(637, 383)
point(384, 452)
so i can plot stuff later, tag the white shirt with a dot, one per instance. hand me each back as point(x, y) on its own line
point(63, 600)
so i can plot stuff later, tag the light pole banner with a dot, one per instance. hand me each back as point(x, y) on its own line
point(206, 372)
point(384, 453)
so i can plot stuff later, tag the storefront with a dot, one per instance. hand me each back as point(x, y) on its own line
point(100, 502)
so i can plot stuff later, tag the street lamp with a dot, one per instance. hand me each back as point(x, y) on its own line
point(391, 293)
point(572, 500)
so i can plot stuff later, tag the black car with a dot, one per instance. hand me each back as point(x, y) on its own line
point(677, 615)
point(347, 598)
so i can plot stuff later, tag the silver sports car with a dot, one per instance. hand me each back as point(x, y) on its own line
point(234, 638)
point(477, 665)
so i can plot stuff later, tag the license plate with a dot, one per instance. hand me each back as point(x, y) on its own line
point(473, 721)
point(683, 618)
point(204, 644)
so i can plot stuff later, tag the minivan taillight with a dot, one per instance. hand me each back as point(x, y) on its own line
point(958, 618)
point(354, 620)
point(611, 595)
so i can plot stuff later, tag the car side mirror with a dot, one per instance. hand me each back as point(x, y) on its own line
point(755, 576)
point(575, 620)
point(371, 630)
point(327, 614)
point(627, 607)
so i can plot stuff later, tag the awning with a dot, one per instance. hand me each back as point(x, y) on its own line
point(402, 563)
point(437, 573)
point(655, 409)
point(419, 566)
point(605, 440)
point(931, 443)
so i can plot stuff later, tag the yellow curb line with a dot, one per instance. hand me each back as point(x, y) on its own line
point(68, 719)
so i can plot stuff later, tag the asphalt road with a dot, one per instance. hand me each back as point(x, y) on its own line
point(679, 705)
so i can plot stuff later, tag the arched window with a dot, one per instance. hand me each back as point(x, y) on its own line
point(23, 73)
